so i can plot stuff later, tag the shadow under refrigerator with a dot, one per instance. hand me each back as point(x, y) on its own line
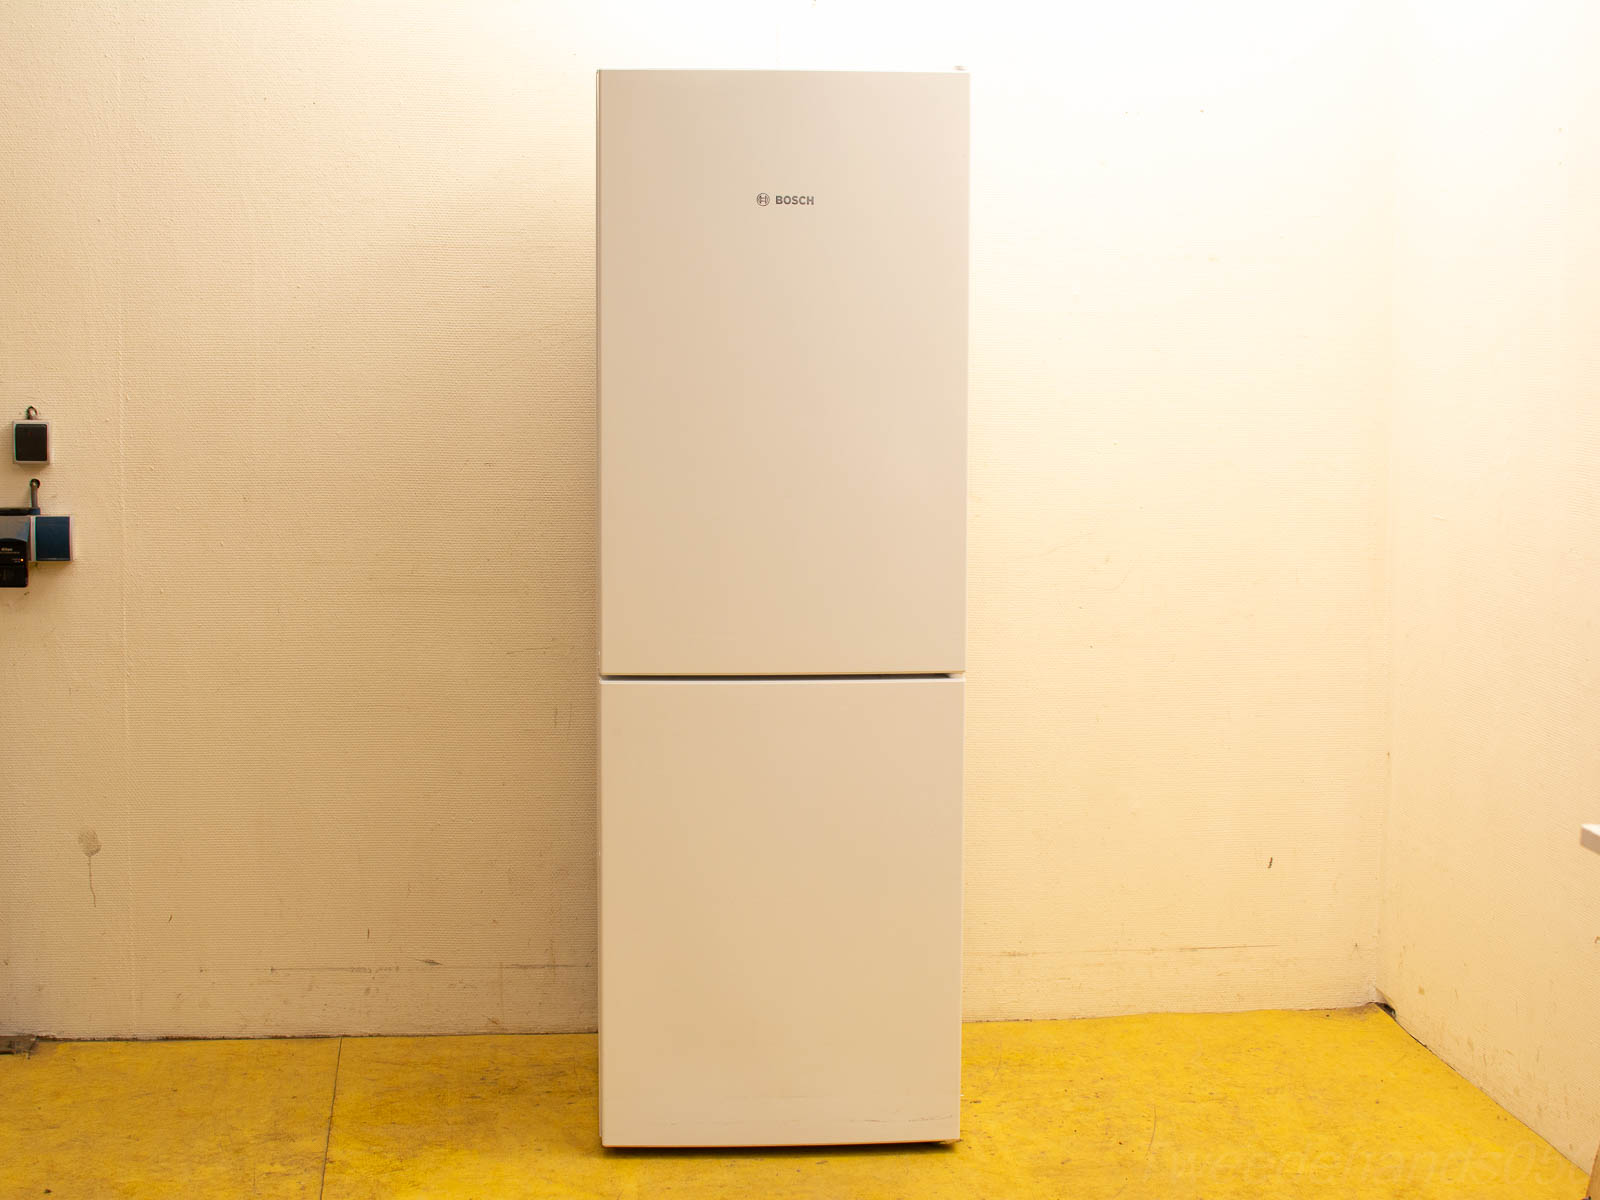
point(782, 308)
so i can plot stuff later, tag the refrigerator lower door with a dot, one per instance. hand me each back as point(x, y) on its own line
point(780, 911)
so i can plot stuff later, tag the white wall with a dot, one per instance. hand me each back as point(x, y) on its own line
point(1177, 713)
point(1491, 917)
point(326, 704)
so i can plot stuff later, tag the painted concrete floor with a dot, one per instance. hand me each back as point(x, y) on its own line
point(1310, 1105)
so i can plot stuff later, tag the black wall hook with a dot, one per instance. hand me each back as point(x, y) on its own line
point(32, 509)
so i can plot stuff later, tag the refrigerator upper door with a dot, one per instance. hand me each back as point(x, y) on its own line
point(780, 911)
point(783, 363)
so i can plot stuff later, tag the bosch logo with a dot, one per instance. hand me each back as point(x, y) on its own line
point(763, 199)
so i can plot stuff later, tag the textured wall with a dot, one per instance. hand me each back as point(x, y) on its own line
point(1177, 641)
point(1491, 949)
point(306, 291)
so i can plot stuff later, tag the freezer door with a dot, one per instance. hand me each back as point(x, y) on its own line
point(783, 369)
point(780, 912)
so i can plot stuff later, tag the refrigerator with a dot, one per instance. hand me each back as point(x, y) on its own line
point(782, 352)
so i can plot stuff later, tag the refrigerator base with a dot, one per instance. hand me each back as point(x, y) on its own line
point(784, 1134)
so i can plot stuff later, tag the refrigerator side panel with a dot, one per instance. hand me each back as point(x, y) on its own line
point(782, 286)
point(780, 912)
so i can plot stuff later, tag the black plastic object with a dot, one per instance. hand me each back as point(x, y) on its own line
point(13, 563)
point(52, 539)
point(30, 442)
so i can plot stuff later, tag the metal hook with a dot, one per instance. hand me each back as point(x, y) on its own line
point(32, 414)
point(32, 510)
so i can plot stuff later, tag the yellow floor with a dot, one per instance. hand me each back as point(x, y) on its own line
point(1339, 1104)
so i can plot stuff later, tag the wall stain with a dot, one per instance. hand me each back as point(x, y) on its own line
point(89, 843)
point(1127, 950)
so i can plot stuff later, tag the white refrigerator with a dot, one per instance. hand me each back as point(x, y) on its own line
point(782, 310)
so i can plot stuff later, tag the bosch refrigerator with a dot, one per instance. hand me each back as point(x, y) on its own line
point(782, 324)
